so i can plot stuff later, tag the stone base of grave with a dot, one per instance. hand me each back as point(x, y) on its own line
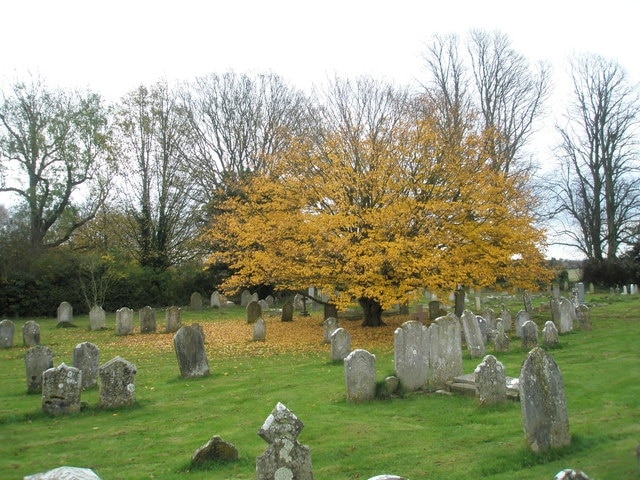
point(466, 385)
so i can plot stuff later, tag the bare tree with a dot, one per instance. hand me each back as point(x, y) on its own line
point(598, 185)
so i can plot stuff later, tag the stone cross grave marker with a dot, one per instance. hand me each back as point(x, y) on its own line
point(188, 344)
point(491, 382)
point(411, 355)
point(86, 358)
point(61, 387)
point(37, 360)
point(340, 345)
point(30, 334)
point(124, 321)
point(117, 383)
point(360, 376)
point(97, 318)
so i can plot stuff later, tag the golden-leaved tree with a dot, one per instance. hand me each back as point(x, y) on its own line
point(374, 206)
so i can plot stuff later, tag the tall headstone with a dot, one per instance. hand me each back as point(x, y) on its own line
point(507, 322)
point(254, 311)
point(411, 355)
point(263, 305)
point(147, 317)
point(285, 458)
point(97, 318)
point(549, 334)
point(340, 345)
point(117, 383)
point(245, 298)
point(491, 382)
point(287, 312)
point(584, 317)
point(86, 358)
point(567, 312)
point(526, 299)
point(360, 376)
point(37, 360)
point(195, 302)
point(124, 321)
point(329, 326)
point(445, 350)
point(501, 342)
point(173, 319)
point(61, 387)
point(30, 334)
point(542, 401)
point(270, 301)
point(259, 330)
point(215, 299)
point(65, 314)
point(580, 292)
point(556, 291)
point(7, 330)
point(192, 357)
point(472, 334)
point(521, 317)
point(529, 335)
point(554, 306)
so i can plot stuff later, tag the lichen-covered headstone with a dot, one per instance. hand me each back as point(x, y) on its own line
point(411, 355)
point(529, 335)
point(245, 298)
point(86, 358)
point(491, 383)
point(501, 341)
point(507, 322)
point(192, 357)
point(215, 450)
point(117, 383)
point(360, 376)
point(37, 360)
point(554, 306)
point(445, 350)
point(173, 319)
point(542, 400)
point(329, 326)
point(147, 317)
point(472, 334)
point(97, 318)
point(254, 311)
point(285, 458)
point(65, 314)
point(124, 321)
point(7, 330)
point(61, 387)
point(521, 317)
point(584, 317)
point(30, 334)
point(567, 312)
point(259, 330)
point(340, 345)
point(549, 334)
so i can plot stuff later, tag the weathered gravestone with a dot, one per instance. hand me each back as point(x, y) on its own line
point(30, 334)
point(64, 314)
point(436, 310)
point(329, 326)
point(147, 317)
point(549, 334)
point(270, 301)
point(484, 329)
point(584, 317)
point(65, 473)
point(445, 350)
point(195, 301)
point(411, 355)
point(259, 330)
point(263, 305)
point(340, 345)
point(61, 387)
point(192, 357)
point(580, 293)
point(86, 358)
point(245, 298)
point(7, 330)
point(97, 318)
point(526, 299)
point(254, 297)
point(507, 322)
point(554, 306)
point(529, 335)
point(215, 450)
point(117, 383)
point(254, 311)
point(543, 404)
point(215, 300)
point(284, 458)
point(501, 342)
point(124, 321)
point(472, 334)
point(360, 376)
point(287, 312)
point(173, 319)
point(521, 317)
point(37, 360)
point(491, 382)
point(567, 312)
point(556, 290)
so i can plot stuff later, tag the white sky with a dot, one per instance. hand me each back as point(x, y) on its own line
point(113, 46)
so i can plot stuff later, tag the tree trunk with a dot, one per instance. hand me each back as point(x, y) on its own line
point(372, 312)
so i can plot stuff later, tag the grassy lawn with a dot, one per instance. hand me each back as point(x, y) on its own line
point(421, 436)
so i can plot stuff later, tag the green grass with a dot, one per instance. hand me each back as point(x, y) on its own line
point(421, 436)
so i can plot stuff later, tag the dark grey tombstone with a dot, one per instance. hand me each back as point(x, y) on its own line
point(459, 302)
point(195, 302)
point(287, 312)
point(7, 330)
point(215, 450)
point(117, 383)
point(37, 360)
point(542, 401)
point(435, 310)
point(86, 358)
point(254, 311)
point(61, 388)
point(330, 310)
point(147, 320)
point(189, 347)
point(30, 334)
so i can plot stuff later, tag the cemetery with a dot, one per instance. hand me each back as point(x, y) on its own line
point(525, 386)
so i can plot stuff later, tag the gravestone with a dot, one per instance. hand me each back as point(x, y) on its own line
point(215, 450)
point(529, 335)
point(223, 301)
point(270, 301)
point(340, 344)
point(263, 305)
point(65, 473)
point(254, 297)
point(124, 321)
point(567, 311)
point(192, 357)
point(215, 300)
point(97, 318)
point(245, 298)
point(411, 355)
point(329, 310)
point(490, 381)
point(360, 376)
point(543, 404)
point(65, 314)
point(521, 317)
point(254, 311)
point(554, 306)
point(592, 288)
point(501, 342)
point(117, 383)
point(287, 312)
point(61, 387)
point(30, 334)
point(490, 316)
point(526, 299)
point(580, 292)
point(259, 330)
point(147, 317)
point(329, 326)
point(472, 334)
point(507, 322)
point(86, 358)
point(549, 334)
point(298, 302)
point(484, 328)
point(37, 360)
point(284, 458)
point(7, 330)
point(195, 302)
point(445, 350)
point(570, 474)
point(584, 317)
point(173, 319)
point(436, 310)
point(556, 291)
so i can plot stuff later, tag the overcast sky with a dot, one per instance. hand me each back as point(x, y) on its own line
point(112, 46)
